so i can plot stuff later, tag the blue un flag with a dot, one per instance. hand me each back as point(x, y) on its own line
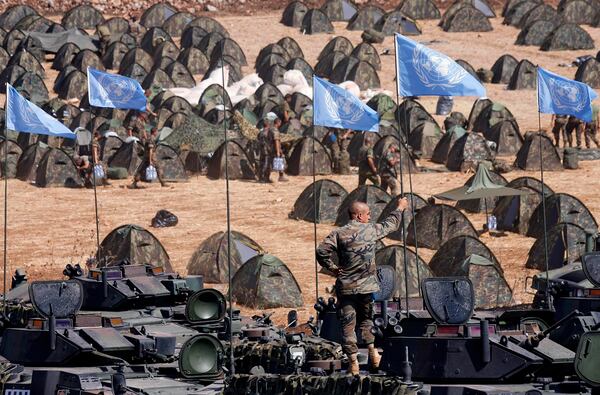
point(115, 91)
point(24, 116)
point(560, 95)
point(335, 107)
point(421, 71)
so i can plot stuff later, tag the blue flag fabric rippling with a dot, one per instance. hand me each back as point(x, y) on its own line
point(24, 116)
point(335, 107)
point(421, 71)
point(560, 95)
point(115, 91)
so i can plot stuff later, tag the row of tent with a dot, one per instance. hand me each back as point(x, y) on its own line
point(553, 29)
point(462, 16)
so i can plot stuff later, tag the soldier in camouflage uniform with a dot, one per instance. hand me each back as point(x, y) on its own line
point(354, 245)
point(137, 127)
point(338, 141)
point(286, 109)
point(269, 147)
point(366, 163)
point(149, 159)
point(387, 170)
point(558, 127)
point(574, 124)
point(591, 128)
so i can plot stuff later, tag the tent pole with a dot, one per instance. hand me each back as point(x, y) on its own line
point(314, 179)
point(543, 199)
point(402, 222)
point(229, 276)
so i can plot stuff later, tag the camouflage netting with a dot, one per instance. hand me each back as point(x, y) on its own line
point(329, 197)
point(265, 282)
point(559, 237)
point(413, 200)
point(528, 157)
point(394, 256)
point(56, 168)
point(561, 207)
point(197, 134)
point(436, 224)
point(210, 257)
point(375, 197)
point(133, 245)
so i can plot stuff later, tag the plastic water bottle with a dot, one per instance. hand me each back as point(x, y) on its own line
point(99, 172)
point(151, 173)
point(492, 223)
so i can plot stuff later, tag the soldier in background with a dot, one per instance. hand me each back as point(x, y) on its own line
point(366, 163)
point(559, 123)
point(387, 170)
point(591, 128)
point(137, 127)
point(338, 141)
point(149, 159)
point(354, 247)
point(574, 124)
point(269, 147)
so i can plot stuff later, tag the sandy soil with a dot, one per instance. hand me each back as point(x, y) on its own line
point(49, 228)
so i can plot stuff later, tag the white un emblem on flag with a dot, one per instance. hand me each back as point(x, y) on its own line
point(340, 105)
point(435, 69)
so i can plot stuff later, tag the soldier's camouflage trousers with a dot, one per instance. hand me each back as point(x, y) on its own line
point(362, 179)
point(389, 181)
point(590, 134)
point(557, 130)
point(265, 166)
point(352, 310)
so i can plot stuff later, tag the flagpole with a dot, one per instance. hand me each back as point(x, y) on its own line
point(5, 238)
point(405, 256)
point(314, 178)
point(543, 196)
point(229, 276)
point(92, 110)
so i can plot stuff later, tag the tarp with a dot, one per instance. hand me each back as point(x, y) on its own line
point(51, 42)
point(481, 187)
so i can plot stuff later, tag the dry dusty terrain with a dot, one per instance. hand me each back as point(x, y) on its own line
point(51, 227)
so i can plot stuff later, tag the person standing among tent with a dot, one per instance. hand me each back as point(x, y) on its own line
point(366, 163)
point(354, 247)
point(387, 170)
point(574, 124)
point(591, 128)
point(269, 146)
point(149, 160)
point(137, 127)
point(559, 123)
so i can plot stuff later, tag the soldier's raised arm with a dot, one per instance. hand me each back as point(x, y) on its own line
point(392, 222)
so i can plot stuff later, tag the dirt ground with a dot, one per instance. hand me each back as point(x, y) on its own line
point(48, 228)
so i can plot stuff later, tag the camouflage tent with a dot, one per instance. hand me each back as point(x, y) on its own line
point(579, 12)
point(192, 36)
point(483, 6)
point(336, 44)
point(300, 162)
point(136, 56)
point(568, 36)
point(180, 75)
point(170, 164)
point(420, 9)
point(467, 66)
point(442, 149)
point(536, 32)
point(510, 4)
point(541, 12)
point(384, 105)
point(396, 22)
point(129, 156)
point(478, 106)
point(209, 25)
point(9, 75)
point(503, 69)
point(468, 151)
point(83, 16)
point(303, 66)
point(463, 17)
point(455, 118)
point(514, 212)
point(530, 182)
point(507, 137)
point(316, 21)
point(28, 61)
point(489, 116)
point(561, 207)
point(176, 23)
point(353, 69)
point(109, 145)
point(528, 157)
point(294, 13)
point(265, 282)
point(417, 269)
point(524, 76)
point(8, 168)
point(33, 84)
point(12, 15)
point(455, 250)
point(29, 161)
point(436, 224)
point(424, 138)
point(415, 203)
point(365, 18)
point(74, 86)
point(366, 52)
point(481, 205)
point(411, 114)
point(166, 49)
point(56, 168)
point(589, 73)
point(135, 71)
point(210, 257)
point(114, 55)
point(357, 143)
point(65, 56)
point(229, 49)
point(514, 15)
point(291, 46)
point(490, 286)
point(87, 58)
point(407, 159)
point(157, 14)
point(565, 243)
point(132, 245)
point(375, 197)
point(329, 197)
point(195, 60)
point(240, 165)
point(116, 26)
point(326, 65)
point(339, 10)
point(153, 38)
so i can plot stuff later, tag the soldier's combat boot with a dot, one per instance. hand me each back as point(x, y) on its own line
point(374, 357)
point(283, 177)
point(354, 369)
